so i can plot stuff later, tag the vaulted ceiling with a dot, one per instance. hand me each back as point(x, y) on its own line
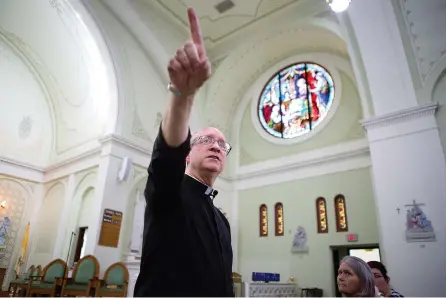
point(223, 30)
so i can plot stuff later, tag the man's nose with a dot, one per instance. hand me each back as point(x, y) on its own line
point(214, 147)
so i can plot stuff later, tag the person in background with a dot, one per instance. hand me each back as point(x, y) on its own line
point(355, 278)
point(382, 279)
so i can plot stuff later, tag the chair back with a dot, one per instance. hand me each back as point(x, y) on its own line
point(56, 269)
point(116, 274)
point(37, 271)
point(86, 269)
point(237, 278)
point(29, 272)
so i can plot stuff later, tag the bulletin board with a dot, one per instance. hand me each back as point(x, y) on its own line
point(110, 228)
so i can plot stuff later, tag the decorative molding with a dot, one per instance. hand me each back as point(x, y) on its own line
point(419, 17)
point(137, 128)
point(318, 156)
point(113, 138)
point(400, 116)
point(338, 158)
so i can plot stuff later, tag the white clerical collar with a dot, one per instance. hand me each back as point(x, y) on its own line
point(209, 191)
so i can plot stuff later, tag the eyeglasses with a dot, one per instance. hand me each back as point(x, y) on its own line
point(207, 140)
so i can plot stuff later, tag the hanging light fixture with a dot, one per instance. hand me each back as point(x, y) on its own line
point(338, 5)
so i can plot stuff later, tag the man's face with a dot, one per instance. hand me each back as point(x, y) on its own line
point(208, 151)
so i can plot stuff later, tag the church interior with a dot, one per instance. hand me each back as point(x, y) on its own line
point(336, 118)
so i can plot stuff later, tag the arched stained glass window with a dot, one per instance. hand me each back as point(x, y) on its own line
point(296, 100)
point(340, 213)
point(263, 221)
point(279, 220)
point(322, 226)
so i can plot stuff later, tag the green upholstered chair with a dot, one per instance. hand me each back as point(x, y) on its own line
point(51, 278)
point(14, 284)
point(83, 278)
point(114, 283)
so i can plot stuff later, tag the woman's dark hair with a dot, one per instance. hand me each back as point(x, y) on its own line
point(379, 266)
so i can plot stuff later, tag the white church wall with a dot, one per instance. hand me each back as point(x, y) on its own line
point(273, 254)
point(439, 97)
point(46, 225)
point(72, 72)
point(423, 35)
point(408, 164)
point(77, 212)
point(142, 80)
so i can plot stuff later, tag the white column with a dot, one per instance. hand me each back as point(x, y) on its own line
point(109, 194)
point(61, 233)
point(408, 163)
point(378, 39)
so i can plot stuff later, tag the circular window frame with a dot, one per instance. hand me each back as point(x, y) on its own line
point(321, 60)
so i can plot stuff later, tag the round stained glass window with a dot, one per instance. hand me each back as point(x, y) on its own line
point(296, 100)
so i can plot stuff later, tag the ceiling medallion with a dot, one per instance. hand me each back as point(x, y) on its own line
point(338, 5)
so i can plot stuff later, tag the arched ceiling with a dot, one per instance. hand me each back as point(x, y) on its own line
point(222, 30)
point(54, 37)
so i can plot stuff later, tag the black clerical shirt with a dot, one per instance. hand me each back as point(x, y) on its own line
point(186, 242)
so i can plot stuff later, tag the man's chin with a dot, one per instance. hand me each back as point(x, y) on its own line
point(213, 168)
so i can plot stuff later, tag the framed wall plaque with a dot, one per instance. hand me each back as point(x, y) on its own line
point(110, 228)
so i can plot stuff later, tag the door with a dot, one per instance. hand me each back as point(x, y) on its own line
point(366, 254)
point(80, 245)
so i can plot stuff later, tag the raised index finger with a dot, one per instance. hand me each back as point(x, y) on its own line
point(196, 33)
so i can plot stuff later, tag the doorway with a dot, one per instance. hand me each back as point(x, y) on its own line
point(80, 245)
point(364, 252)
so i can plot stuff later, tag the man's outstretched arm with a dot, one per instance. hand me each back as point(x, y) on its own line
point(188, 70)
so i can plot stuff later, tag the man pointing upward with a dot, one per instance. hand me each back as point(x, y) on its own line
point(186, 242)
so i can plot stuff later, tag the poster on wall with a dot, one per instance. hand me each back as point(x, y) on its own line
point(110, 228)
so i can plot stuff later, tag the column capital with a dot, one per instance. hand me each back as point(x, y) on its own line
point(405, 121)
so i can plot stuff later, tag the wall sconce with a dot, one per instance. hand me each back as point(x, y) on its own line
point(3, 204)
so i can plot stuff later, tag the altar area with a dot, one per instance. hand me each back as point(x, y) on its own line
point(241, 288)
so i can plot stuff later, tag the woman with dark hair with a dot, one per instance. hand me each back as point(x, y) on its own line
point(382, 279)
point(355, 278)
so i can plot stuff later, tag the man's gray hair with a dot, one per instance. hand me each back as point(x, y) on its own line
point(362, 270)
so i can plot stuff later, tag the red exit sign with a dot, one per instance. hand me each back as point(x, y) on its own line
point(352, 237)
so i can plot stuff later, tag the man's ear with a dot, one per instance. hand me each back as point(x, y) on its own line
point(188, 160)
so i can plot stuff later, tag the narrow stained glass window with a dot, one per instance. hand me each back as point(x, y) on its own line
point(263, 221)
point(321, 216)
point(341, 216)
point(279, 220)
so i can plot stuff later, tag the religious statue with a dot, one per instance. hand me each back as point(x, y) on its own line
point(300, 240)
point(419, 228)
point(5, 229)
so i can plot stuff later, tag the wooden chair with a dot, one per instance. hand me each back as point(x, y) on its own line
point(114, 282)
point(48, 282)
point(84, 276)
point(23, 287)
point(14, 284)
